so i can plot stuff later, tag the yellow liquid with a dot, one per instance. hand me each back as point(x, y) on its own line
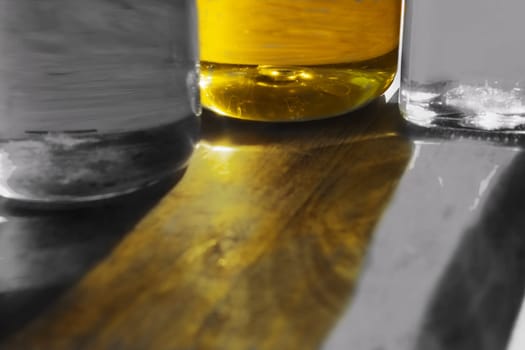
point(282, 60)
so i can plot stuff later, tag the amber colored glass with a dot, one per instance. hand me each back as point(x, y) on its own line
point(284, 60)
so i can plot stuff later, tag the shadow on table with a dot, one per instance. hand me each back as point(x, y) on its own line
point(479, 296)
point(43, 253)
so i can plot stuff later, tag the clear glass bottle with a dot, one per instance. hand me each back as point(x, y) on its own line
point(97, 98)
point(285, 60)
point(463, 64)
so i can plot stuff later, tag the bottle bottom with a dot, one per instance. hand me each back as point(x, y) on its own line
point(487, 106)
point(293, 93)
point(67, 168)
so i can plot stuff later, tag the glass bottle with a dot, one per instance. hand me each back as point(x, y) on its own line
point(463, 65)
point(97, 98)
point(286, 60)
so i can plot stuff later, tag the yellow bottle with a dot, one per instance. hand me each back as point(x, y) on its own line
point(284, 60)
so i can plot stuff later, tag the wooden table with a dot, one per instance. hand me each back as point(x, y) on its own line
point(349, 233)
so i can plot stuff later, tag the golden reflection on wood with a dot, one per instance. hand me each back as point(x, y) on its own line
point(258, 247)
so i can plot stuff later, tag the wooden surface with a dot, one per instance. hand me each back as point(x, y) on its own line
point(257, 247)
point(346, 233)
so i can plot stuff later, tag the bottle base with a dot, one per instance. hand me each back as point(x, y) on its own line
point(488, 107)
point(60, 169)
point(293, 93)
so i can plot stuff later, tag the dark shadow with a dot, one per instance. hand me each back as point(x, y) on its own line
point(480, 293)
point(44, 253)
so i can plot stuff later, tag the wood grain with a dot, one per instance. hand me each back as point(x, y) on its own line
point(258, 247)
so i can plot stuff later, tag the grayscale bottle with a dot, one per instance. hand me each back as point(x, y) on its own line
point(463, 64)
point(97, 98)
